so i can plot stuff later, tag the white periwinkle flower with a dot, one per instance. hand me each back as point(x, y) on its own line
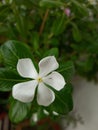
point(25, 91)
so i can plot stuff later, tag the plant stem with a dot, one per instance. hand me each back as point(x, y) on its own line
point(43, 22)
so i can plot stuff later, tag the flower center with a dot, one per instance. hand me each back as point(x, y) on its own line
point(39, 79)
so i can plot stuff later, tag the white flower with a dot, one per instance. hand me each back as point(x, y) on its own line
point(25, 91)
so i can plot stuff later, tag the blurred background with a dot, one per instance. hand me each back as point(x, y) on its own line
point(67, 29)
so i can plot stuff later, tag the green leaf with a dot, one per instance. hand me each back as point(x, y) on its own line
point(67, 70)
point(12, 51)
point(28, 3)
point(63, 102)
point(8, 78)
point(86, 65)
point(93, 47)
point(54, 42)
point(4, 12)
point(81, 8)
point(51, 3)
point(52, 52)
point(18, 111)
point(35, 41)
point(76, 33)
point(59, 25)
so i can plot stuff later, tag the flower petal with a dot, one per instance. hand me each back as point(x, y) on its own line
point(55, 113)
point(45, 96)
point(55, 80)
point(25, 91)
point(26, 68)
point(47, 65)
point(46, 112)
point(35, 117)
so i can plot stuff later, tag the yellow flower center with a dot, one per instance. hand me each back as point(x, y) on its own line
point(39, 79)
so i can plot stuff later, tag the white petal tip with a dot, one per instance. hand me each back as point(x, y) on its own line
point(55, 80)
point(46, 112)
point(55, 113)
point(46, 104)
point(35, 117)
point(21, 98)
point(47, 65)
point(45, 95)
point(26, 69)
point(25, 91)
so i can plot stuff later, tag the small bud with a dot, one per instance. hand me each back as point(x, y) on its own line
point(67, 12)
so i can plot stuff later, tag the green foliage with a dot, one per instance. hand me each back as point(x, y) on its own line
point(63, 103)
point(8, 78)
point(18, 110)
point(11, 51)
point(51, 52)
point(59, 25)
point(67, 70)
point(50, 3)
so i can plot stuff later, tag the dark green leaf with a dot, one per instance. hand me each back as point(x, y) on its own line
point(81, 8)
point(67, 70)
point(63, 102)
point(4, 12)
point(8, 78)
point(14, 50)
point(52, 52)
point(18, 111)
point(51, 3)
point(59, 25)
point(76, 33)
point(35, 41)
